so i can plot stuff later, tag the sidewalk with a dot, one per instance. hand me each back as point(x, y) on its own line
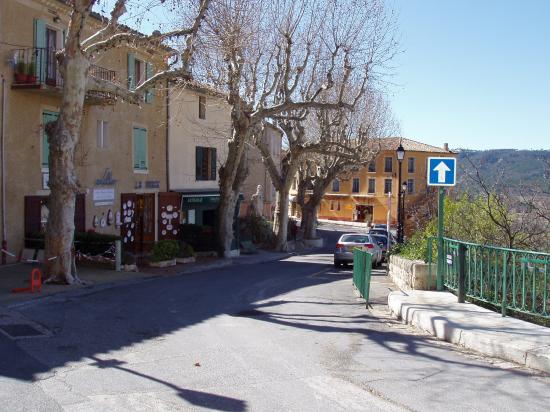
point(474, 327)
point(18, 275)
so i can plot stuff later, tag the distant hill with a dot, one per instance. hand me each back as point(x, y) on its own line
point(516, 166)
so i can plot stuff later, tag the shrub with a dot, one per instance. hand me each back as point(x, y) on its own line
point(186, 250)
point(165, 250)
point(256, 229)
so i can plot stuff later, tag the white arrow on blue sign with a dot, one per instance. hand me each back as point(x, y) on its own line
point(441, 171)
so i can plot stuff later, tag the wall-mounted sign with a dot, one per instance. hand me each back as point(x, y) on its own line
point(201, 200)
point(107, 178)
point(152, 184)
point(138, 184)
point(103, 197)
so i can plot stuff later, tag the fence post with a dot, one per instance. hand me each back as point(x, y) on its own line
point(461, 273)
point(367, 274)
point(430, 257)
point(118, 255)
point(504, 285)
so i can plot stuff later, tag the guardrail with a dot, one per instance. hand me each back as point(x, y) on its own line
point(514, 280)
point(362, 265)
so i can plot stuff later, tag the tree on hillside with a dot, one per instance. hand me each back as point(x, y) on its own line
point(63, 135)
point(277, 60)
point(355, 131)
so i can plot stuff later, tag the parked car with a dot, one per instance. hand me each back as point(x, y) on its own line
point(382, 241)
point(383, 232)
point(343, 254)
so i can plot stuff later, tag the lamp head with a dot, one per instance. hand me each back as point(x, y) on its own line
point(400, 152)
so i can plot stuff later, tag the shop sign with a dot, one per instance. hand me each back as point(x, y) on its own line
point(104, 197)
point(201, 200)
point(152, 184)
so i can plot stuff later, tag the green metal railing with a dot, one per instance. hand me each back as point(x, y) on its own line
point(515, 280)
point(362, 264)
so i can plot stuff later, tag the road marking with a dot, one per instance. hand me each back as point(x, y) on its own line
point(319, 273)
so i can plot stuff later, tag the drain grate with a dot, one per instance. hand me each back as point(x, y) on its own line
point(20, 330)
point(250, 313)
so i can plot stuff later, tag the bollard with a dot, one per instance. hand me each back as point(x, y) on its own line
point(118, 255)
point(461, 273)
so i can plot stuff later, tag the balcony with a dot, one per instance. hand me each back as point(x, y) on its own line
point(35, 69)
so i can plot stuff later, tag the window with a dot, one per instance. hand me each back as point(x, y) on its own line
point(410, 186)
point(332, 205)
point(372, 166)
point(102, 133)
point(355, 188)
point(372, 186)
point(138, 72)
point(202, 107)
point(335, 185)
point(387, 186)
point(140, 149)
point(205, 163)
point(388, 164)
point(411, 165)
point(47, 117)
point(338, 205)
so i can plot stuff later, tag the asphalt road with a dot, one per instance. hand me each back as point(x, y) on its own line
point(281, 336)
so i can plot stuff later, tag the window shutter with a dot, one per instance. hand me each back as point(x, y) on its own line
point(64, 37)
point(131, 71)
point(140, 149)
point(40, 45)
point(149, 94)
point(198, 163)
point(213, 163)
point(47, 117)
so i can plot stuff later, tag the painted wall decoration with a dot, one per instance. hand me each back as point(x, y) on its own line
point(110, 217)
point(118, 220)
point(169, 219)
point(128, 221)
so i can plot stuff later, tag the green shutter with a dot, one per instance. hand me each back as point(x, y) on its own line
point(198, 163)
point(40, 46)
point(140, 149)
point(64, 37)
point(212, 163)
point(47, 117)
point(131, 71)
point(149, 94)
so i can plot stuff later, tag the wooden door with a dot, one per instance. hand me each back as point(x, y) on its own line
point(146, 220)
point(128, 227)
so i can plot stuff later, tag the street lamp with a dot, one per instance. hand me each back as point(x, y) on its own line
point(400, 153)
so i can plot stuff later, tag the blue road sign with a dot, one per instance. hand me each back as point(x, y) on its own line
point(441, 171)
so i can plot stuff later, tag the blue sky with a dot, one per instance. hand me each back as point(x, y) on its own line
point(475, 74)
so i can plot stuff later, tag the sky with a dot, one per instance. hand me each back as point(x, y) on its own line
point(471, 73)
point(475, 74)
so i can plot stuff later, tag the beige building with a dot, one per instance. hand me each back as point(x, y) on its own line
point(120, 159)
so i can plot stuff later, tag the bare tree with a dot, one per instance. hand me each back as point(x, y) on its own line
point(63, 135)
point(356, 134)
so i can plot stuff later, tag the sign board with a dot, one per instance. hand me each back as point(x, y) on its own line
point(104, 197)
point(441, 171)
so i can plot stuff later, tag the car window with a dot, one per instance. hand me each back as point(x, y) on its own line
point(354, 239)
point(379, 238)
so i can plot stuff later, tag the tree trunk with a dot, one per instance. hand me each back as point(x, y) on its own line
point(280, 222)
point(62, 138)
point(309, 221)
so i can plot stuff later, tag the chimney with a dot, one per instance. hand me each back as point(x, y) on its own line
point(446, 147)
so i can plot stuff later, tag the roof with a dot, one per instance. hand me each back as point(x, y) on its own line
point(392, 143)
point(194, 85)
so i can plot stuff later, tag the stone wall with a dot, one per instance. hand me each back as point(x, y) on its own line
point(411, 274)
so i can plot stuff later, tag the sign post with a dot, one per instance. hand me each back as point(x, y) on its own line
point(441, 172)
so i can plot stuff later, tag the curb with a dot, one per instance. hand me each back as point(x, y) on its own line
point(483, 334)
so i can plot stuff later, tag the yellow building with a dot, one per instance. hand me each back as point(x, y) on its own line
point(367, 194)
point(121, 157)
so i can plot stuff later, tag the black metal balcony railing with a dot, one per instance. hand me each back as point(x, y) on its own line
point(34, 67)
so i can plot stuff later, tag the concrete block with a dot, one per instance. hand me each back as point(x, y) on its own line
point(539, 359)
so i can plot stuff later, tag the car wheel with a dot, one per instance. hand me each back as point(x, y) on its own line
point(337, 264)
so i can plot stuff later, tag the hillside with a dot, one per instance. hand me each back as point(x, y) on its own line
point(514, 166)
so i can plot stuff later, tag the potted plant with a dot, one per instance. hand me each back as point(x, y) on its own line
point(186, 253)
point(164, 253)
point(21, 72)
point(31, 72)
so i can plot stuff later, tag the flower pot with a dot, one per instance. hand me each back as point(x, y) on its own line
point(163, 263)
point(186, 260)
point(20, 78)
point(31, 78)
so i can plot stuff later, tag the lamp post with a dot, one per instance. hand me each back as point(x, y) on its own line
point(400, 153)
point(403, 192)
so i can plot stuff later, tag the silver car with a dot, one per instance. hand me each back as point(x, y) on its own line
point(343, 254)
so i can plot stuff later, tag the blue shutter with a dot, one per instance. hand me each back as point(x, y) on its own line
point(131, 71)
point(47, 117)
point(140, 149)
point(149, 94)
point(212, 163)
point(198, 163)
point(40, 46)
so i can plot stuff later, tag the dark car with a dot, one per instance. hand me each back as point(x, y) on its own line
point(382, 232)
point(382, 241)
